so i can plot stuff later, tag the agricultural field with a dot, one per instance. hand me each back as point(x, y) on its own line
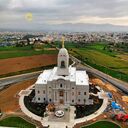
point(16, 122)
point(17, 64)
point(12, 52)
point(102, 124)
point(18, 60)
point(114, 63)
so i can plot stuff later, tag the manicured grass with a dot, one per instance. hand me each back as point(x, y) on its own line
point(103, 124)
point(16, 122)
point(12, 52)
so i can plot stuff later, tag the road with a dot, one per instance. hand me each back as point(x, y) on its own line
point(18, 78)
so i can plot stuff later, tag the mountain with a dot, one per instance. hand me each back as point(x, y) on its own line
point(80, 27)
point(68, 27)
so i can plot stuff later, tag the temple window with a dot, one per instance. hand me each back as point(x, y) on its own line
point(61, 85)
point(62, 64)
point(78, 93)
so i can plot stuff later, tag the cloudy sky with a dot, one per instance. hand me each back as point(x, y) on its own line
point(13, 12)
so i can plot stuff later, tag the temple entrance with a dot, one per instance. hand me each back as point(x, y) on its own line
point(61, 101)
point(61, 94)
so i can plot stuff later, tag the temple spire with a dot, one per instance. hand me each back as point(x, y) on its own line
point(62, 42)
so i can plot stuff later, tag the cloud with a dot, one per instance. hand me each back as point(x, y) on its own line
point(64, 11)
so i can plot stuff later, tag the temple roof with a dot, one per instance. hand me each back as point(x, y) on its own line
point(77, 76)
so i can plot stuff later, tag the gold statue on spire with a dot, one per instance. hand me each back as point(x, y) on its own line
point(62, 42)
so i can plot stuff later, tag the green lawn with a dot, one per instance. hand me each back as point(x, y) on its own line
point(16, 122)
point(102, 124)
point(12, 52)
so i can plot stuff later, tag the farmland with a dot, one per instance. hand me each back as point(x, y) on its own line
point(12, 52)
point(24, 63)
point(114, 63)
point(17, 60)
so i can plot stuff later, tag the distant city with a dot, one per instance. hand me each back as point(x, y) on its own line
point(28, 38)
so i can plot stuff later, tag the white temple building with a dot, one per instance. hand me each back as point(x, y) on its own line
point(63, 84)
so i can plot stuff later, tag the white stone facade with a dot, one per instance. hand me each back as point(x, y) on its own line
point(63, 84)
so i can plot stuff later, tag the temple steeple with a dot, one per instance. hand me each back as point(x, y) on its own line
point(63, 61)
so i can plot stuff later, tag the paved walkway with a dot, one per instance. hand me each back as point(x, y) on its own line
point(26, 111)
point(70, 124)
point(72, 121)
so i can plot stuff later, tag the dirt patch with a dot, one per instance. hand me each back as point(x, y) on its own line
point(25, 63)
point(97, 81)
point(100, 83)
point(9, 101)
point(125, 98)
point(110, 87)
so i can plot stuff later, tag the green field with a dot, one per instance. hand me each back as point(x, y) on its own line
point(16, 122)
point(102, 124)
point(113, 63)
point(103, 60)
point(12, 52)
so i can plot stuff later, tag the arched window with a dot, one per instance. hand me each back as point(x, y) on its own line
point(62, 64)
point(61, 85)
